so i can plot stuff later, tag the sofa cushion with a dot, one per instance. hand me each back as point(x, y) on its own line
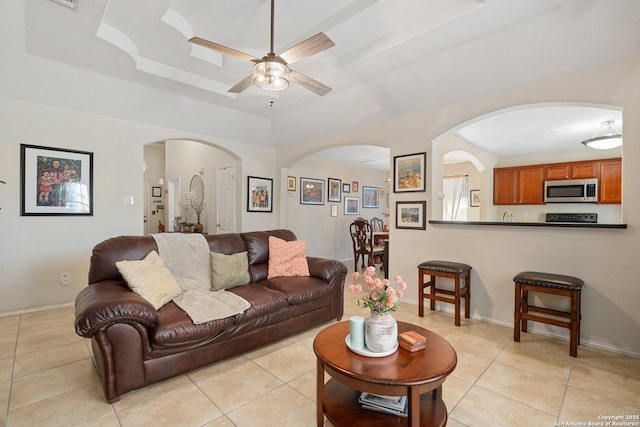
point(287, 259)
point(175, 327)
point(150, 279)
point(299, 290)
point(229, 271)
point(263, 300)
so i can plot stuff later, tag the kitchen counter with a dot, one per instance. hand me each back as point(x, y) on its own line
point(530, 224)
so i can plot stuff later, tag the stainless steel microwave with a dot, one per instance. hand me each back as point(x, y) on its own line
point(571, 191)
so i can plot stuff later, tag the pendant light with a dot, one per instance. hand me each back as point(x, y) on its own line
point(606, 137)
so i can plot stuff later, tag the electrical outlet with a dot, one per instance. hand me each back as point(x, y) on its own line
point(64, 278)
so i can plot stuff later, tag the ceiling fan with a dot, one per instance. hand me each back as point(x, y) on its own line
point(271, 72)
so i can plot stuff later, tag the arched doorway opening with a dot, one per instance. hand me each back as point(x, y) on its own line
point(360, 170)
point(522, 135)
point(172, 166)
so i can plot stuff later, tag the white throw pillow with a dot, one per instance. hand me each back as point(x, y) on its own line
point(150, 279)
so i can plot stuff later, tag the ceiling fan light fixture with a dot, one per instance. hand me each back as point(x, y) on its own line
point(271, 75)
point(606, 137)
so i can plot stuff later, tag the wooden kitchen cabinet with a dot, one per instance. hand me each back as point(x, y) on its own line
point(519, 186)
point(610, 188)
point(573, 170)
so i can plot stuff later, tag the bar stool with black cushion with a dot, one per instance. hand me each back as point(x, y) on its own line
point(556, 284)
point(451, 270)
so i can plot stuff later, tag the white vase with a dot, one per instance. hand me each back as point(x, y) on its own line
point(380, 332)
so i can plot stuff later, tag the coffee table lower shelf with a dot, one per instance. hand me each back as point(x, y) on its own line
point(341, 407)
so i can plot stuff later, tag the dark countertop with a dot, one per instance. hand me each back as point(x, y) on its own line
point(530, 224)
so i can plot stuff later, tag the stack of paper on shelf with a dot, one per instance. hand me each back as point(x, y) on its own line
point(411, 341)
point(396, 405)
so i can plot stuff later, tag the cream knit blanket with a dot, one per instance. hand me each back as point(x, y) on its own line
point(188, 259)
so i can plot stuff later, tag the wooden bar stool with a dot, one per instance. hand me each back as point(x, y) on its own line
point(556, 284)
point(452, 270)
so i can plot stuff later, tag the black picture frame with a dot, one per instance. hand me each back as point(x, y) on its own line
point(370, 197)
point(411, 215)
point(334, 193)
point(311, 191)
point(259, 194)
point(409, 173)
point(156, 191)
point(474, 198)
point(346, 188)
point(55, 181)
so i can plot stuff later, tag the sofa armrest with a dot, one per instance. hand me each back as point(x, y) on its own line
point(325, 269)
point(104, 304)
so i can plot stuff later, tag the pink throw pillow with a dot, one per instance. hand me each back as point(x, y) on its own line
point(287, 258)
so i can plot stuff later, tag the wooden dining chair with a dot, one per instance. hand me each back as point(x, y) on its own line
point(360, 231)
point(376, 224)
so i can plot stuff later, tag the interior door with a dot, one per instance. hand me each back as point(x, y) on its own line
point(145, 220)
point(226, 201)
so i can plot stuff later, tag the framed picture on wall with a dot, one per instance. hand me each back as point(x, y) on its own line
point(55, 181)
point(335, 190)
point(291, 183)
point(156, 191)
point(346, 188)
point(409, 173)
point(351, 205)
point(334, 210)
point(311, 191)
point(411, 215)
point(354, 186)
point(370, 197)
point(260, 194)
point(474, 198)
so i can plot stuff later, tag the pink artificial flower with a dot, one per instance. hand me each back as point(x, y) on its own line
point(352, 288)
point(400, 294)
point(356, 275)
point(374, 296)
point(358, 288)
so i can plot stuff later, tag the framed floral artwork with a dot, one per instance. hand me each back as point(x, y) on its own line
point(409, 173)
point(260, 194)
point(55, 181)
point(370, 197)
point(411, 215)
point(351, 205)
point(311, 191)
point(335, 190)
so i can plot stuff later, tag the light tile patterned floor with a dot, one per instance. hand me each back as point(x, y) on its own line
point(47, 378)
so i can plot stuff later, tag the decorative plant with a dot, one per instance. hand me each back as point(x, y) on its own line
point(381, 297)
point(189, 201)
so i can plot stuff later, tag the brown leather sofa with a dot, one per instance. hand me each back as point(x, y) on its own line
point(135, 345)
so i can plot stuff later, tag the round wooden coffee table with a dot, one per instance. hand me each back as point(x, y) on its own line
point(401, 373)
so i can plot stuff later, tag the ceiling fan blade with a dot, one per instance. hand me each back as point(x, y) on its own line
point(308, 47)
point(242, 85)
point(221, 48)
point(309, 83)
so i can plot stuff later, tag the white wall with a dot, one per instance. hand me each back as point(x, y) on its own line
point(34, 250)
point(604, 258)
point(328, 236)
